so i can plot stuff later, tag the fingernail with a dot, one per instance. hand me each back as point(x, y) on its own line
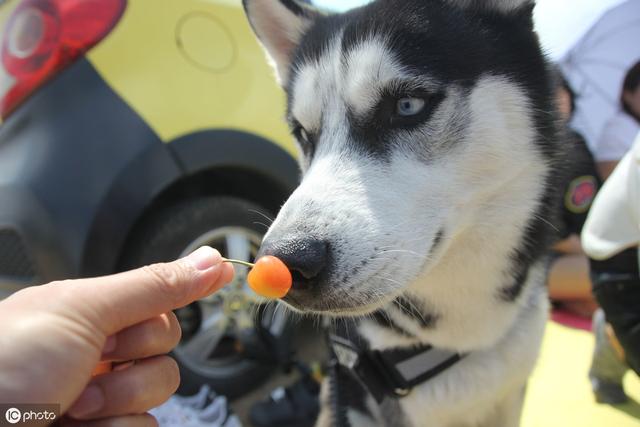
point(90, 401)
point(109, 344)
point(204, 258)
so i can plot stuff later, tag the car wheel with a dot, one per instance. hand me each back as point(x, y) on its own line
point(228, 337)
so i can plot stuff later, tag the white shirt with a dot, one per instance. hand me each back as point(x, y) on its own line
point(616, 138)
point(613, 223)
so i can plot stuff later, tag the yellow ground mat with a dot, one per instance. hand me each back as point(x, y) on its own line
point(559, 394)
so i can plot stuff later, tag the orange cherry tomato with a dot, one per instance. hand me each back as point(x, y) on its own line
point(101, 368)
point(270, 277)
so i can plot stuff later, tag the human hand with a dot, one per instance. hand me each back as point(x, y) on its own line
point(54, 335)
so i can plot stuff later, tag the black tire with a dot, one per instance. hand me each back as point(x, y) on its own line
point(165, 236)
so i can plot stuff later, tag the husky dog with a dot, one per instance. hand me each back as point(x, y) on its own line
point(428, 149)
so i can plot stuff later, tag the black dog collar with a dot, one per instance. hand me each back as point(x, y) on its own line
point(390, 372)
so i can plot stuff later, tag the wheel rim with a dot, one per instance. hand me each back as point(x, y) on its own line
point(213, 323)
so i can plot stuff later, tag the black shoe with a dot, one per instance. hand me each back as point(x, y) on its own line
point(609, 393)
point(294, 406)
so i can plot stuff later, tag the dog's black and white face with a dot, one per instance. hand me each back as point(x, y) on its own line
point(418, 122)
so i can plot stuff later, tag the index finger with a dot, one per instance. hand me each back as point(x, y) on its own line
point(112, 303)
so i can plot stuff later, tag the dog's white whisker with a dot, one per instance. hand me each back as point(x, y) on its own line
point(262, 214)
point(406, 251)
point(262, 224)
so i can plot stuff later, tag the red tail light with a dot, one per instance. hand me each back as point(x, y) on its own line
point(42, 37)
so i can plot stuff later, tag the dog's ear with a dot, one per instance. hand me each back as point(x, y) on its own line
point(505, 6)
point(279, 25)
point(520, 11)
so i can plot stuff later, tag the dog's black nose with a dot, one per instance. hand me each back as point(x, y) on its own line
point(305, 257)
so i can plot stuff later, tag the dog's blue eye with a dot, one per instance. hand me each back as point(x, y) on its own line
point(409, 106)
point(304, 136)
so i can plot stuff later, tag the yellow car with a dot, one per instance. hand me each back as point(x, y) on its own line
point(133, 132)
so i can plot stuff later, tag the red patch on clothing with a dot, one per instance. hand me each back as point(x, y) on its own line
point(580, 194)
point(571, 320)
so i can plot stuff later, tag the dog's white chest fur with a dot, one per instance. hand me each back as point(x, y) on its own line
point(486, 388)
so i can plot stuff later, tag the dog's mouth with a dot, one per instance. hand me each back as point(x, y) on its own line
point(335, 306)
point(338, 294)
point(435, 246)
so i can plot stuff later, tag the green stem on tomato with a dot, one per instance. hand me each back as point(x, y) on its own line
point(236, 261)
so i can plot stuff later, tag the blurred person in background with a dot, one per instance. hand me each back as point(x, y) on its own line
point(568, 281)
point(610, 237)
point(620, 131)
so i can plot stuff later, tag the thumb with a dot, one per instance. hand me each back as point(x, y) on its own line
point(115, 302)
